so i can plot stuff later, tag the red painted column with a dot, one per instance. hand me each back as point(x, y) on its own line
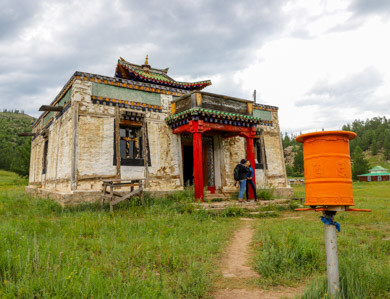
point(198, 161)
point(250, 155)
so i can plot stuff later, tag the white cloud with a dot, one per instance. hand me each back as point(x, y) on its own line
point(287, 70)
point(291, 52)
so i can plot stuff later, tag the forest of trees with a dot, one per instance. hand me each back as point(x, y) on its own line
point(15, 150)
point(373, 136)
point(297, 169)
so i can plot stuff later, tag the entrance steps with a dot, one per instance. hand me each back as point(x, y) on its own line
point(251, 205)
point(217, 196)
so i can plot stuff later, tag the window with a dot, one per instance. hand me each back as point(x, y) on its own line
point(44, 158)
point(368, 179)
point(131, 144)
point(379, 178)
point(260, 156)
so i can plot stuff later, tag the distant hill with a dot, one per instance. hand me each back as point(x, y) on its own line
point(373, 137)
point(378, 159)
point(15, 150)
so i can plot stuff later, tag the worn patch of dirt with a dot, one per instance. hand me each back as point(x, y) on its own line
point(237, 275)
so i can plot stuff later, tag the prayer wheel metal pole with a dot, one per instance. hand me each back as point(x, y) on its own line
point(332, 261)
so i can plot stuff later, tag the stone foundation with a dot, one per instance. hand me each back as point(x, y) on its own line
point(84, 196)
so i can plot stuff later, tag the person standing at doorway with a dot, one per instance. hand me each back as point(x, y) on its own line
point(249, 180)
point(240, 175)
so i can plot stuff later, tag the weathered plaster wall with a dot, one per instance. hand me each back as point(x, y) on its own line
point(276, 173)
point(234, 152)
point(96, 148)
point(164, 173)
point(36, 161)
point(59, 154)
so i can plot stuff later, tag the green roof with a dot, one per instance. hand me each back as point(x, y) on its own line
point(377, 168)
point(374, 174)
point(158, 76)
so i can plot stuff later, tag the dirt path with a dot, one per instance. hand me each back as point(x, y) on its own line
point(237, 274)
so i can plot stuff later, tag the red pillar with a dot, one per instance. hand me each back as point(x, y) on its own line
point(198, 160)
point(250, 155)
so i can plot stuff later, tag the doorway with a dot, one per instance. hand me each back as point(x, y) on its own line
point(188, 165)
point(188, 161)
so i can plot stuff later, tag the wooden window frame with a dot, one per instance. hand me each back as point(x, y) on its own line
point(260, 151)
point(131, 161)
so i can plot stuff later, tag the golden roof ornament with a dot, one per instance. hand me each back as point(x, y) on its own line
point(146, 59)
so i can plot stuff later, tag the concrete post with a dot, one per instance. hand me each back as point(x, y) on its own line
point(332, 262)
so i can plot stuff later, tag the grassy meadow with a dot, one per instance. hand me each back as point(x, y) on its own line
point(161, 251)
point(168, 250)
point(290, 250)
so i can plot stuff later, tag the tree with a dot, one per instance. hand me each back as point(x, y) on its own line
point(374, 146)
point(386, 152)
point(21, 162)
point(290, 171)
point(360, 165)
point(286, 141)
point(298, 162)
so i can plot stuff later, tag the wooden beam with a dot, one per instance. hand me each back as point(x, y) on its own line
point(45, 132)
point(181, 129)
point(198, 99)
point(117, 142)
point(50, 108)
point(74, 155)
point(145, 154)
point(26, 134)
point(131, 123)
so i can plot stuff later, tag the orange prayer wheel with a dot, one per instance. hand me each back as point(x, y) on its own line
point(327, 162)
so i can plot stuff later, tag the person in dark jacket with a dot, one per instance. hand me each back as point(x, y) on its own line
point(249, 180)
point(243, 174)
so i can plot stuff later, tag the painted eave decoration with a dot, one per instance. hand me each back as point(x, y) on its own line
point(214, 116)
point(119, 82)
point(145, 73)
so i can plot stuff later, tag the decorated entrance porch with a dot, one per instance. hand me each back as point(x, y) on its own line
point(205, 114)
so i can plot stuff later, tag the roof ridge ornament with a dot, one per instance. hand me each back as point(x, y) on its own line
point(146, 66)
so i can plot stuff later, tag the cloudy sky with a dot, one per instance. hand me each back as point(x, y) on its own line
point(324, 63)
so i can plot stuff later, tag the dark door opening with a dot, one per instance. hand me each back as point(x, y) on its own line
point(188, 165)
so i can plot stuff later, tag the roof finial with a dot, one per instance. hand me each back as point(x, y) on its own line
point(146, 59)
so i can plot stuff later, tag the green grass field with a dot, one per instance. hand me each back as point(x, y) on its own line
point(160, 251)
point(290, 251)
point(167, 250)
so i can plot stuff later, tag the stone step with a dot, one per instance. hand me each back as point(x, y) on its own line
point(215, 195)
point(248, 205)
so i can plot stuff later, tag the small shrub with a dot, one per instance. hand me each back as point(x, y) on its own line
point(233, 212)
point(265, 194)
